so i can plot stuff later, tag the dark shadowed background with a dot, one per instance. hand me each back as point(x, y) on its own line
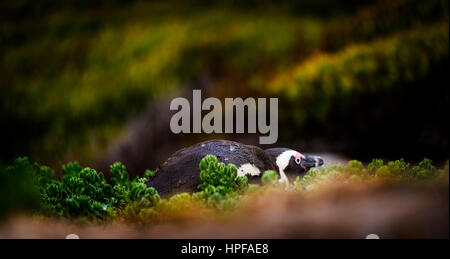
point(92, 80)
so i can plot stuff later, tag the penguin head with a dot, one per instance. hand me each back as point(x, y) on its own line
point(288, 160)
point(300, 164)
point(305, 162)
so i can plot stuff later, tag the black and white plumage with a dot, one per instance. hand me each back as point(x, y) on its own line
point(291, 163)
point(181, 172)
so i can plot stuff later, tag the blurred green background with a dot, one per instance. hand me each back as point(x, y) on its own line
point(367, 79)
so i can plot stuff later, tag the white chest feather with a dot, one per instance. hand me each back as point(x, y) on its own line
point(248, 169)
point(282, 162)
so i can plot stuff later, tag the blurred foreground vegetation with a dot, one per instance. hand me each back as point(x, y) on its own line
point(73, 73)
point(83, 195)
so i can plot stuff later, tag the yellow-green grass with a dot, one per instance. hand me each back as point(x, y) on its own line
point(378, 66)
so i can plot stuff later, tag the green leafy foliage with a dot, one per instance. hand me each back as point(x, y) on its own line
point(312, 177)
point(269, 177)
point(374, 165)
point(425, 170)
point(149, 174)
point(397, 170)
point(139, 197)
point(220, 182)
point(19, 186)
point(393, 170)
point(355, 167)
point(81, 193)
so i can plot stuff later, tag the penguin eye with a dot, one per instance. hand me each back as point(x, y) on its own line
point(298, 158)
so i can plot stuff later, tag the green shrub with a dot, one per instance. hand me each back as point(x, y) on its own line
point(220, 182)
point(20, 186)
point(84, 194)
point(356, 168)
point(424, 170)
point(81, 193)
point(149, 174)
point(269, 177)
point(374, 165)
point(397, 170)
point(394, 170)
point(311, 177)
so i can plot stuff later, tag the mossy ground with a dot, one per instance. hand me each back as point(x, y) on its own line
point(82, 195)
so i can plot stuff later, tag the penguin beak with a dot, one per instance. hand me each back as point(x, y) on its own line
point(312, 161)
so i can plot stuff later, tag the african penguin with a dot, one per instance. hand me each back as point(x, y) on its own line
point(291, 163)
point(180, 172)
